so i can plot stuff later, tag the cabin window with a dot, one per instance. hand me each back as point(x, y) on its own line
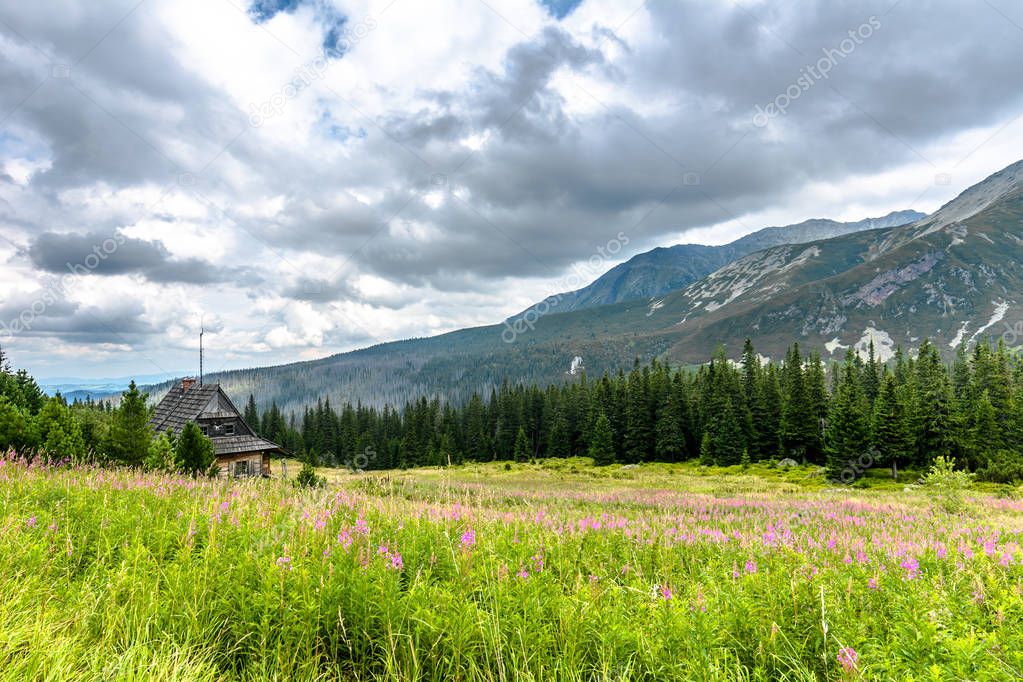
point(205, 430)
point(241, 468)
point(229, 429)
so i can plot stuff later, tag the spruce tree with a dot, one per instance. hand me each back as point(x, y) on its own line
point(522, 449)
point(251, 415)
point(639, 431)
point(892, 438)
point(671, 442)
point(602, 441)
point(847, 438)
point(130, 435)
point(194, 451)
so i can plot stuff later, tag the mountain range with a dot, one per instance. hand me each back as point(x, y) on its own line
point(660, 270)
point(954, 276)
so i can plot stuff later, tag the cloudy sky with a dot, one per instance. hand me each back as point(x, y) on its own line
point(315, 176)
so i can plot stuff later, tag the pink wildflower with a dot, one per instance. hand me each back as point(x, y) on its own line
point(468, 539)
point(751, 566)
point(847, 658)
point(666, 593)
point(912, 568)
point(284, 563)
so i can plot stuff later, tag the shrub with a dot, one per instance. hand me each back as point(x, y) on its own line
point(948, 484)
point(308, 478)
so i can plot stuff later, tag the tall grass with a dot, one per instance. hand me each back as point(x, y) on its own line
point(479, 575)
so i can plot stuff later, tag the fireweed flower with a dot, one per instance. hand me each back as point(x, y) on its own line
point(751, 566)
point(847, 658)
point(284, 563)
point(31, 523)
point(666, 593)
point(912, 568)
point(468, 539)
point(872, 583)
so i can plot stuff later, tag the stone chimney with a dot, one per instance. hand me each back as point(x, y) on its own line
point(187, 384)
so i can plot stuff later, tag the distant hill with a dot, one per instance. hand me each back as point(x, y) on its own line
point(656, 272)
point(955, 277)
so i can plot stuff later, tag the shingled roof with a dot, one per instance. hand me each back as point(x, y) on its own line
point(232, 445)
point(181, 406)
point(189, 401)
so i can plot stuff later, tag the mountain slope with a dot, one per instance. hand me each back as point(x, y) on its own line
point(954, 276)
point(663, 269)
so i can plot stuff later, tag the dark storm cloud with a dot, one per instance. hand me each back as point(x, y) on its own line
point(114, 254)
point(46, 313)
point(107, 94)
point(564, 168)
point(557, 185)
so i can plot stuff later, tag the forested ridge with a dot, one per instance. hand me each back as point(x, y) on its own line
point(848, 417)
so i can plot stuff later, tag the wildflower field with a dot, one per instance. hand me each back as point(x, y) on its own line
point(544, 572)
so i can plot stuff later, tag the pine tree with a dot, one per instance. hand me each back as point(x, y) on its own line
point(847, 437)
point(130, 436)
point(522, 450)
point(671, 442)
point(892, 438)
point(933, 425)
point(194, 451)
point(795, 408)
point(602, 441)
point(251, 415)
point(557, 436)
point(639, 431)
point(985, 433)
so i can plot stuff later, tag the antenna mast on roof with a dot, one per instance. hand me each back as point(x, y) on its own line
point(202, 331)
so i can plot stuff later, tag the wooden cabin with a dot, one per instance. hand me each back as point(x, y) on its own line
point(240, 452)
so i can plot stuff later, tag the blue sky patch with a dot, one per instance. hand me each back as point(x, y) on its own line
point(265, 10)
point(559, 9)
point(332, 21)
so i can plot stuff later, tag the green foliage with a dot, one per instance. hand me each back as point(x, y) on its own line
point(948, 484)
point(1003, 466)
point(847, 436)
point(58, 432)
point(162, 455)
point(308, 478)
point(194, 451)
point(523, 452)
point(602, 442)
point(130, 437)
point(14, 427)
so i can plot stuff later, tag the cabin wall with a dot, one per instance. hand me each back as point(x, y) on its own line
point(253, 464)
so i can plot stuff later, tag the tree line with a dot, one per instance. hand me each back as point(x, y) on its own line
point(850, 416)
